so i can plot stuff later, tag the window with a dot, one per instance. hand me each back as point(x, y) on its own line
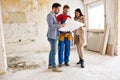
point(96, 15)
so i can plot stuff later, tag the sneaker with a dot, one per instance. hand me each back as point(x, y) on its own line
point(50, 67)
point(56, 70)
point(67, 64)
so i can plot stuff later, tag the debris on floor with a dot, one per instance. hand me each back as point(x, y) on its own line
point(19, 63)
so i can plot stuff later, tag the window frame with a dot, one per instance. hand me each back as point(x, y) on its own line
point(87, 16)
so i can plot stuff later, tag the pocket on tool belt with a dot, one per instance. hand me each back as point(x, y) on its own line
point(69, 36)
point(61, 37)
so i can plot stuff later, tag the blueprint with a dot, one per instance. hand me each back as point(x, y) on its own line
point(71, 25)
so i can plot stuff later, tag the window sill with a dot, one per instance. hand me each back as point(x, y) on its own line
point(96, 30)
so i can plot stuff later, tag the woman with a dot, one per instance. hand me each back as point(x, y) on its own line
point(79, 36)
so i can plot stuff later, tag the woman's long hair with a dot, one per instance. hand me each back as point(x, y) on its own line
point(78, 10)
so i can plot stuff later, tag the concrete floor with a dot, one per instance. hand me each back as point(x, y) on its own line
point(98, 67)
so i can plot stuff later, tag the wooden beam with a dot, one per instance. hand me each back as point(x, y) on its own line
point(104, 42)
point(110, 19)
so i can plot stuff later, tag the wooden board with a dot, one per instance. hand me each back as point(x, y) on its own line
point(113, 21)
point(105, 40)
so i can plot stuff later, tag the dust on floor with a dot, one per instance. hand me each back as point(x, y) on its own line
point(33, 66)
point(19, 63)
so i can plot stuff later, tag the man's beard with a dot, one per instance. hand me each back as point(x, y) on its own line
point(56, 12)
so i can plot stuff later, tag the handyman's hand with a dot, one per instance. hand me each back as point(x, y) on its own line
point(63, 25)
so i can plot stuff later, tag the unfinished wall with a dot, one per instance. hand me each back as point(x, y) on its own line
point(25, 23)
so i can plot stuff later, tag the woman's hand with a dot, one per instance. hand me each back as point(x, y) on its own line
point(73, 31)
point(81, 28)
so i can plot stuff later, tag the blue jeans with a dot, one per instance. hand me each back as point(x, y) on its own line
point(64, 51)
point(52, 53)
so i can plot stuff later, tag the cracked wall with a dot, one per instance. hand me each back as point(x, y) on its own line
point(25, 25)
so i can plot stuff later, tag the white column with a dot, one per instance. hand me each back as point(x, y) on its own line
point(118, 26)
point(3, 61)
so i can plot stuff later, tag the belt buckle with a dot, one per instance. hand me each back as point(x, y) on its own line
point(66, 34)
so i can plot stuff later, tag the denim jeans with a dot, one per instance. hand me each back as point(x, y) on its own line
point(64, 51)
point(52, 53)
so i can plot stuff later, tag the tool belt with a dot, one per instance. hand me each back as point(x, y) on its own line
point(65, 35)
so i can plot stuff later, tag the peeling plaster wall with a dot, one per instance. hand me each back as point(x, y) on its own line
point(25, 23)
point(25, 27)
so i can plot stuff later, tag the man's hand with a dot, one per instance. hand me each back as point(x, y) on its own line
point(63, 25)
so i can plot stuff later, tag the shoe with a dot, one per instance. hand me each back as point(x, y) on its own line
point(56, 69)
point(82, 63)
point(67, 64)
point(60, 65)
point(50, 67)
point(78, 62)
